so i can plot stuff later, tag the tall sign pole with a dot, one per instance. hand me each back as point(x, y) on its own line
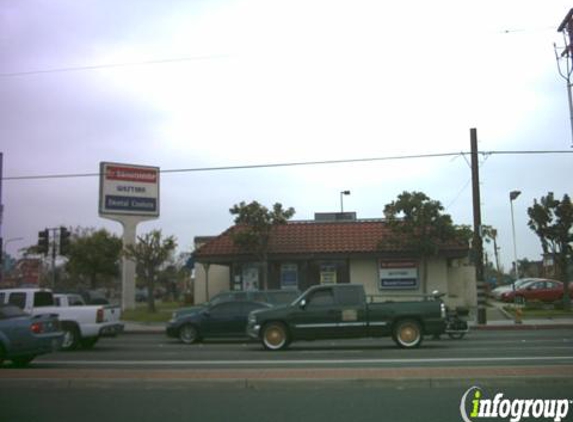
point(477, 238)
point(129, 194)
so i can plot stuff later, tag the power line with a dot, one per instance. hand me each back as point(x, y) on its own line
point(64, 69)
point(110, 65)
point(297, 164)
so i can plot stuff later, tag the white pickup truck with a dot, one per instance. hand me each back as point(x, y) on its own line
point(82, 325)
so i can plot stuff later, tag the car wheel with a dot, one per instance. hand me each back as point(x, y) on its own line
point(275, 336)
point(408, 334)
point(188, 334)
point(71, 337)
point(23, 361)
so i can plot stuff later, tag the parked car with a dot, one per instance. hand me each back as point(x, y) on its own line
point(539, 289)
point(225, 319)
point(343, 311)
point(272, 297)
point(23, 337)
point(498, 291)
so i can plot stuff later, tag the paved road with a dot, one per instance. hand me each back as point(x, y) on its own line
point(147, 377)
point(498, 348)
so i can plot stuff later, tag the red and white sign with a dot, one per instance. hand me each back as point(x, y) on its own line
point(398, 275)
point(127, 189)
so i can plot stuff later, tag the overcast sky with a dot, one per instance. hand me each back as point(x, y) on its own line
point(199, 84)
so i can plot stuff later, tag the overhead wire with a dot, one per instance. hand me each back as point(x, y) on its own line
point(297, 164)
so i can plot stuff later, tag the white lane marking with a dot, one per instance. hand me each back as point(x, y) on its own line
point(302, 361)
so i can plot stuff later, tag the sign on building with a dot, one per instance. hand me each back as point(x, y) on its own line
point(398, 275)
point(127, 189)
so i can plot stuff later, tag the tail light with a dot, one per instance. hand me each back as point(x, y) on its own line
point(37, 328)
point(99, 315)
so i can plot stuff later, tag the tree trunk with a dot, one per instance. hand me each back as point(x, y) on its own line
point(424, 275)
point(563, 276)
point(265, 274)
point(151, 292)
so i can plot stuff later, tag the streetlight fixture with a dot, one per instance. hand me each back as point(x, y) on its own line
point(344, 192)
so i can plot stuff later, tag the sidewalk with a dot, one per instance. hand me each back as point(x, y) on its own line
point(497, 319)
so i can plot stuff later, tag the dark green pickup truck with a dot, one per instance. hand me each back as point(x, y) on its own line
point(342, 311)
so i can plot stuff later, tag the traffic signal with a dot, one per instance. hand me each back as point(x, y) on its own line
point(44, 241)
point(64, 241)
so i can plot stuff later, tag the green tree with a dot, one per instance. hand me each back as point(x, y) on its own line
point(552, 220)
point(93, 257)
point(255, 223)
point(418, 224)
point(150, 252)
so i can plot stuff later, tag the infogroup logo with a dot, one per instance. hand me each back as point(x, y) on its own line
point(474, 405)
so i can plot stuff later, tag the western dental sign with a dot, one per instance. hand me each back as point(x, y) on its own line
point(127, 190)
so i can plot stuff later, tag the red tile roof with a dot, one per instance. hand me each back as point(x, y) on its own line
point(309, 237)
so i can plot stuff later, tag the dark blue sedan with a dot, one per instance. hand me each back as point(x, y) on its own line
point(223, 320)
point(23, 337)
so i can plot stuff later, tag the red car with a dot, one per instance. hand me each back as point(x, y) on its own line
point(540, 290)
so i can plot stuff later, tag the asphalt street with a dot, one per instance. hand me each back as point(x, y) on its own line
point(148, 377)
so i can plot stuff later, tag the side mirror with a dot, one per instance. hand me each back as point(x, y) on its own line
point(302, 304)
point(206, 313)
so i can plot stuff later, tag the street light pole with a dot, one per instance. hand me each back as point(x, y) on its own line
point(344, 192)
point(512, 196)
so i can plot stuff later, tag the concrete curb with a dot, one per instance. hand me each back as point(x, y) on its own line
point(131, 328)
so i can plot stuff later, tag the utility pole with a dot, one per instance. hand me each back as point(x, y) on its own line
point(477, 238)
point(566, 28)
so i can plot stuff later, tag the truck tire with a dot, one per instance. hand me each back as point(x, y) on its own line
point(188, 334)
point(275, 336)
point(71, 336)
point(408, 334)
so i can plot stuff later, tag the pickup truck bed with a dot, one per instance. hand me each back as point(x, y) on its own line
point(341, 311)
point(82, 325)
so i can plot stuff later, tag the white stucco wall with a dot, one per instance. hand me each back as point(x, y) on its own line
point(462, 288)
point(457, 282)
point(218, 281)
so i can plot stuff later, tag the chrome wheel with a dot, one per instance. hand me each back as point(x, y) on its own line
point(188, 334)
point(71, 337)
point(275, 336)
point(408, 334)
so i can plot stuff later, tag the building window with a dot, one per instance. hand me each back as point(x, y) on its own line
point(250, 275)
point(328, 273)
point(289, 276)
